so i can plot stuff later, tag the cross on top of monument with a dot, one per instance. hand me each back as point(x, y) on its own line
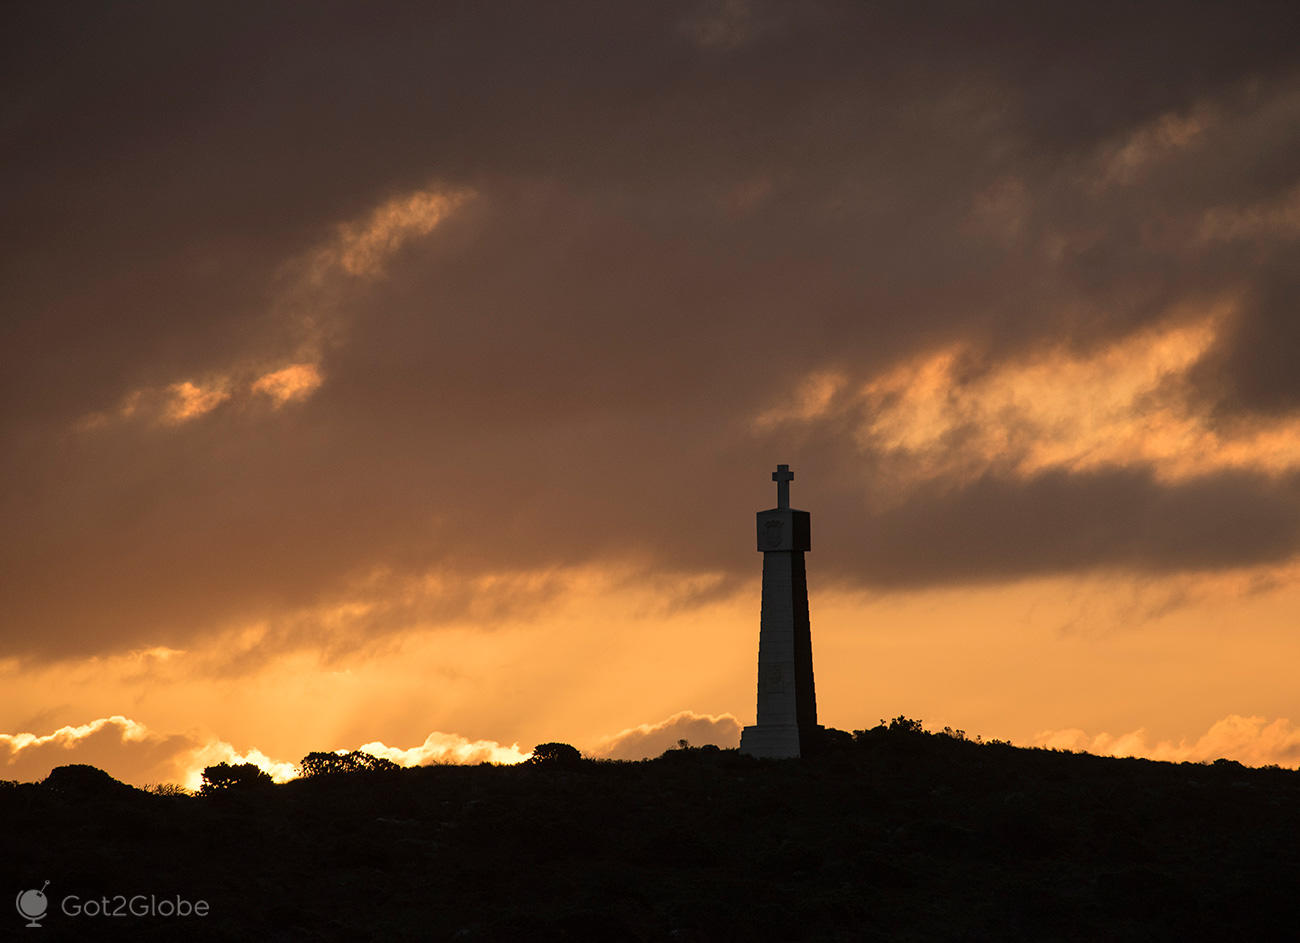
point(783, 476)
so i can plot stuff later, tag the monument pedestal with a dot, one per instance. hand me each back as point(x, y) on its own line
point(787, 702)
point(772, 742)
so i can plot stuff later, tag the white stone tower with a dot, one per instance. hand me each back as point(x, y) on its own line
point(787, 703)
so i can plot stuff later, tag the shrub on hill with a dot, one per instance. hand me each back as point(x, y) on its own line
point(83, 780)
point(224, 778)
point(330, 764)
point(555, 754)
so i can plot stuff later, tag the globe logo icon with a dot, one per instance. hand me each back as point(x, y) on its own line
point(33, 904)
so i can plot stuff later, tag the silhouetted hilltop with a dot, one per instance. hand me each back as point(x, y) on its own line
point(890, 834)
point(81, 782)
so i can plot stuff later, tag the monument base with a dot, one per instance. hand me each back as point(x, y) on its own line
point(771, 741)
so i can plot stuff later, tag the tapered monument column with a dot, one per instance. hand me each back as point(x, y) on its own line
point(787, 704)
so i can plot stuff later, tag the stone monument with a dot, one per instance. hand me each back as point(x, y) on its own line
point(787, 704)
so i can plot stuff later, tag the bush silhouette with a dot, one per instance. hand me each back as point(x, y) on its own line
point(330, 764)
point(166, 789)
point(901, 724)
point(226, 778)
point(555, 754)
point(81, 779)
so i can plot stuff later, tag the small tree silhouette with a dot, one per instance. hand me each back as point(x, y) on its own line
point(901, 724)
point(329, 764)
point(226, 778)
point(555, 754)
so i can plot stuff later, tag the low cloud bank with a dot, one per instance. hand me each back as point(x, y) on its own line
point(449, 748)
point(124, 748)
point(1254, 741)
point(649, 740)
point(130, 751)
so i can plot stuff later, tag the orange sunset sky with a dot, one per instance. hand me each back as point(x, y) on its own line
point(406, 376)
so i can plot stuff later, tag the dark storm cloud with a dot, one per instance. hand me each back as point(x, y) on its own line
point(1257, 367)
point(680, 210)
point(1058, 522)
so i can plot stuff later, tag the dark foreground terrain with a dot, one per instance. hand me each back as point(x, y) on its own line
point(891, 835)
